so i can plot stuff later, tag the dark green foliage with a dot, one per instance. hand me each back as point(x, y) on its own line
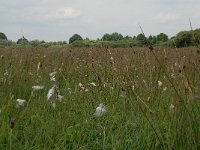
point(152, 39)
point(112, 37)
point(22, 41)
point(114, 40)
point(141, 39)
point(183, 39)
point(2, 36)
point(75, 37)
point(196, 36)
point(162, 37)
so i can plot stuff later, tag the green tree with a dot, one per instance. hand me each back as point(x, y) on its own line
point(162, 37)
point(152, 39)
point(2, 36)
point(196, 36)
point(75, 37)
point(106, 37)
point(22, 40)
point(141, 39)
point(116, 36)
point(112, 37)
point(183, 39)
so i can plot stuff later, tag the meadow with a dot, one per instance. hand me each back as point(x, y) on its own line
point(152, 98)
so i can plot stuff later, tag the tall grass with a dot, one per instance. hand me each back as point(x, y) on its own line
point(139, 111)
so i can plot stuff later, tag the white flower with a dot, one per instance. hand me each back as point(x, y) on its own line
point(53, 92)
point(159, 83)
point(100, 110)
point(93, 84)
point(38, 87)
point(21, 103)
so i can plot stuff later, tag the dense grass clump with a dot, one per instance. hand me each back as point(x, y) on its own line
point(152, 99)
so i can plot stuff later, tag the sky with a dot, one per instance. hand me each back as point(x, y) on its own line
point(58, 20)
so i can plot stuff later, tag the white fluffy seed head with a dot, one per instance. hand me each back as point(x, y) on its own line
point(38, 87)
point(53, 92)
point(100, 110)
point(20, 103)
point(93, 84)
point(159, 83)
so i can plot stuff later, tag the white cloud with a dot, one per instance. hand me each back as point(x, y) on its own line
point(67, 13)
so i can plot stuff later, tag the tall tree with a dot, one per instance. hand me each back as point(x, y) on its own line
point(2, 36)
point(183, 39)
point(112, 37)
point(75, 37)
point(162, 37)
point(22, 40)
point(141, 38)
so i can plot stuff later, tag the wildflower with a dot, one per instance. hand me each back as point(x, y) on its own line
point(93, 84)
point(21, 103)
point(100, 110)
point(38, 87)
point(53, 92)
point(159, 83)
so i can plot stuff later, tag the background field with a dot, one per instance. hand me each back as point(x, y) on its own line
point(140, 113)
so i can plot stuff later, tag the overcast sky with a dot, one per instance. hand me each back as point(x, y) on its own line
point(57, 20)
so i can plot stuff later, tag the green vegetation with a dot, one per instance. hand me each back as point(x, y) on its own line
point(114, 40)
point(152, 98)
point(74, 38)
point(2, 36)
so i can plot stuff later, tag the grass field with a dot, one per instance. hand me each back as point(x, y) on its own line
point(152, 99)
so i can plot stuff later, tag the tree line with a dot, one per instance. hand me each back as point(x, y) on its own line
point(181, 39)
